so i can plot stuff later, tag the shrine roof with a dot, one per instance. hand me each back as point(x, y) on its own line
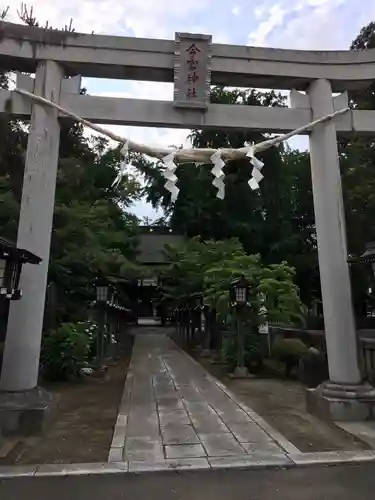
point(152, 242)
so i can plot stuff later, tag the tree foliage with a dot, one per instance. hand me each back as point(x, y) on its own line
point(253, 217)
point(94, 234)
point(358, 163)
point(206, 268)
point(276, 222)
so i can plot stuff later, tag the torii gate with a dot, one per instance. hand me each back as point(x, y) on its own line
point(192, 62)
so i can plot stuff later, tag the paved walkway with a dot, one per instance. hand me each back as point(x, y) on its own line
point(174, 413)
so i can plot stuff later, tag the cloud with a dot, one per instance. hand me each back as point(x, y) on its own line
point(143, 18)
point(158, 137)
point(309, 24)
point(312, 27)
point(259, 12)
point(274, 17)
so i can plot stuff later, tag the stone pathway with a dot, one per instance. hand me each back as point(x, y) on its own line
point(174, 414)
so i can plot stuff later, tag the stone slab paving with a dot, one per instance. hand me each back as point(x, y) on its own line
point(362, 430)
point(212, 430)
point(174, 414)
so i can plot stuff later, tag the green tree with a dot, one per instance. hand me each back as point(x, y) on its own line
point(270, 286)
point(183, 278)
point(277, 221)
point(357, 161)
point(364, 98)
point(94, 234)
point(254, 217)
point(298, 246)
point(206, 268)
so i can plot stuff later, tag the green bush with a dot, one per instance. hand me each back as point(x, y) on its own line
point(90, 329)
point(65, 351)
point(289, 352)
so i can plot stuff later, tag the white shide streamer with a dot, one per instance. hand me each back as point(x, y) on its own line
point(169, 174)
point(218, 173)
point(122, 170)
point(256, 174)
point(193, 155)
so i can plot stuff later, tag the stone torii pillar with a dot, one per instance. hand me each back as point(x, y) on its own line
point(344, 396)
point(19, 375)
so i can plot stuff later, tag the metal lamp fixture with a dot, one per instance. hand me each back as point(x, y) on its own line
point(239, 292)
point(2, 270)
point(102, 292)
point(10, 273)
point(11, 261)
point(239, 299)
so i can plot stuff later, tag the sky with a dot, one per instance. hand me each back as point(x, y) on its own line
point(288, 24)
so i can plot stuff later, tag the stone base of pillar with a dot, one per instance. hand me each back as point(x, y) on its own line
point(25, 413)
point(240, 372)
point(342, 402)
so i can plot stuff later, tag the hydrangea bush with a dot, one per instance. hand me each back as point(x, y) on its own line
point(68, 349)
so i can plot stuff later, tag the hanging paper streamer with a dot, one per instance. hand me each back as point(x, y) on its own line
point(124, 153)
point(256, 174)
point(217, 171)
point(169, 174)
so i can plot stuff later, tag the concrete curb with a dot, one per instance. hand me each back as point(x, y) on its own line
point(117, 449)
point(240, 463)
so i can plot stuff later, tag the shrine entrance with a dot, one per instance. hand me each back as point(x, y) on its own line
point(152, 241)
point(193, 63)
